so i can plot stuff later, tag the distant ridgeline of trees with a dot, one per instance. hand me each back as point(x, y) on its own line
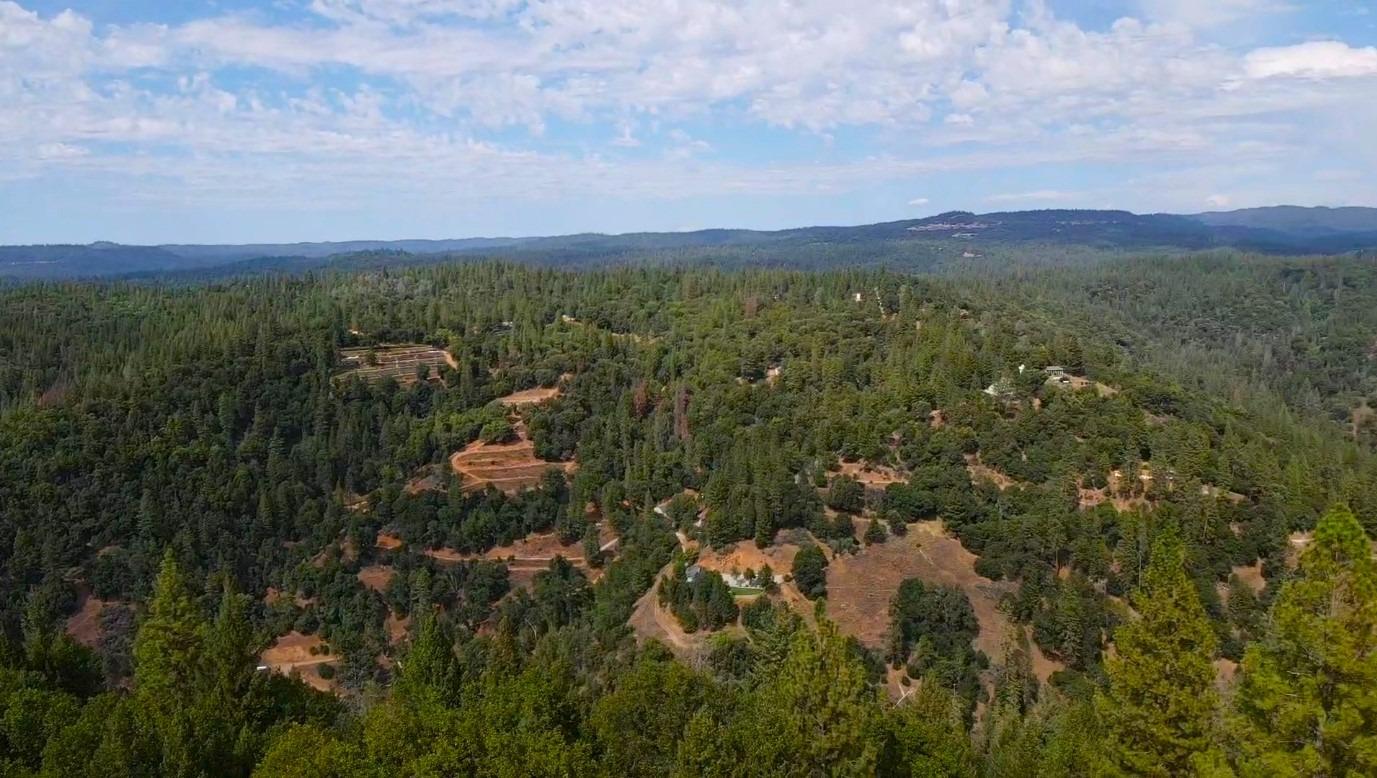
point(175, 452)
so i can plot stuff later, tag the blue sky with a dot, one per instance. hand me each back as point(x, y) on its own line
point(144, 121)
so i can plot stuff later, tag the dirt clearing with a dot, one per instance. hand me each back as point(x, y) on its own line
point(872, 476)
point(737, 558)
point(84, 625)
point(508, 467)
point(860, 588)
point(301, 654)
point(649, 621)
point(534, 396)
point(534, 553)
point(399, 361)
point(377, 577)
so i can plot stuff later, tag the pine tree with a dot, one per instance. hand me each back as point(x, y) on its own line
point(168, 654)
point(1307, 697)
point(430, 672)
point(817, 715)
point(1160, 705)
point(227, 674)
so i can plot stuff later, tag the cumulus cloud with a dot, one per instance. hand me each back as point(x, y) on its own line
point(1209, 13)
point(472, 96)
point(1315, 59)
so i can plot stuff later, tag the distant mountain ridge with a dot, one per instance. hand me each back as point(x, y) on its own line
point(1295, 219)
point(1278, 230)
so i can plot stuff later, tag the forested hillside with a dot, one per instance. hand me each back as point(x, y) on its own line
point(509, 520)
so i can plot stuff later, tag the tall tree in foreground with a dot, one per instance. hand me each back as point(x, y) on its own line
point(1160, 706)
point(817, 715)
point(168, 655)
point(1307, 698)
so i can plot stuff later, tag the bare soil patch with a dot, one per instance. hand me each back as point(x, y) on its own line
point(1296, 544)
point(534, 553)
point(538, 547)
point(84, 625)
point(388, 542)
point(377, 577)
point(509, 467)
point(1225, 670)
point(739, 557)
point(860, 588)
point(300, 654)
point(1103, 390)
point(534, 396)
point(649, 621)
point(398, 361)
point(871, 475)
point(397, 628)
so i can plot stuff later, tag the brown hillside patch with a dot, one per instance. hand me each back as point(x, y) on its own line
point(377, 577)
point(509, 467)
point(649, 621)
point(1225, 670)
point(1081, 382)
point(981, 472)
point(397, 628)
point(1251, 575)
point(1363, 416)
point(301, 654)
point(1296, 544)
point(872, 476)
point(860, 588)
point(54, 395)
point(743, 556)
point(534, 553)
point(388, 542)
point(1089, 498)
point(398, 361)
point(84, 625)
point(538, 547)
point(534, 396)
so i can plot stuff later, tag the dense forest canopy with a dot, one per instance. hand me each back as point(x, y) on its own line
point(494, 508)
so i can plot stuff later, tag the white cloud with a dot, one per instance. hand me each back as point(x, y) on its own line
point(1218, 201)
point(61, 151)
point(1209, 13)
point(1316, 59)
point(917, 201)
point(944, 85)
